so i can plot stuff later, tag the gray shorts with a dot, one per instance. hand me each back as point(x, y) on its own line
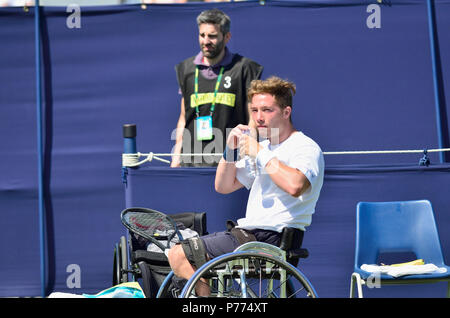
point(220, 243)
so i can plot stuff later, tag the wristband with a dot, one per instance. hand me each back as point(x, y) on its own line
point(264, 156)
point(227, 154)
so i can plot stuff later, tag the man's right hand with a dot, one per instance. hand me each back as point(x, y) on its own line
point(235, 134)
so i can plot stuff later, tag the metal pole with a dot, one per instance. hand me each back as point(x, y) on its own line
point(437, 101)
point(40, 148)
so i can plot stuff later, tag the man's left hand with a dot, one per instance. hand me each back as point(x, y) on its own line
point(248, 146)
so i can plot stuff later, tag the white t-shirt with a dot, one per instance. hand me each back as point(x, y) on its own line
point(271, 208)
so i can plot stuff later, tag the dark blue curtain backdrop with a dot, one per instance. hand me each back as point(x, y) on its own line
point(359, 88)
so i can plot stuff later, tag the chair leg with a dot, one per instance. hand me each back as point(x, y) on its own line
point(448, 289)
point(352, 286)
point(356, 278)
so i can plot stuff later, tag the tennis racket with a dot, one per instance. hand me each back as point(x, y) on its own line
point(152, 225)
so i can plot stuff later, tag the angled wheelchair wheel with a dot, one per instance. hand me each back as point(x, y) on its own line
point(165, 290)
point(248, 274)
point(120, 274)
point(124, 259)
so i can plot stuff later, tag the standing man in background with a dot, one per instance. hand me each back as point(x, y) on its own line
point(213, 86)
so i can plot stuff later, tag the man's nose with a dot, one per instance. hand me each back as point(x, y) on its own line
point(259, 117)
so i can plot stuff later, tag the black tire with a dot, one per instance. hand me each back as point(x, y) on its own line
point(116, 266)
point(123, 260)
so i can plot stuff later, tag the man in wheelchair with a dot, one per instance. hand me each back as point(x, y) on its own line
point(282, 168)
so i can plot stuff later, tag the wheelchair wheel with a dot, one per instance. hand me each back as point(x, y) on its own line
point(124, 258)
point(120, 266)
point(166, 286)
point(249, 274)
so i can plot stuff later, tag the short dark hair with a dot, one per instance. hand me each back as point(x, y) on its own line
point(215, 16)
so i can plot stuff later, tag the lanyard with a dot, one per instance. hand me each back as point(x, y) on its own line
point(216, 88)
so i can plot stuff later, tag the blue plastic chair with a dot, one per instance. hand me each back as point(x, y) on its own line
point(400, 227)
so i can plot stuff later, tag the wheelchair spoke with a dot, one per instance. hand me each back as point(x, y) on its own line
point(298, 290)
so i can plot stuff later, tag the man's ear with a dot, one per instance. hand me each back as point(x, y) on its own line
point(227, 37)
point(287, 111)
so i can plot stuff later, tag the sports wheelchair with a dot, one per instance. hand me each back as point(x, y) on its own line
point(253, 270)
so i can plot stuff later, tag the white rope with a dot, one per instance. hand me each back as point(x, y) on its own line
point(383, 151)
point(132, 159)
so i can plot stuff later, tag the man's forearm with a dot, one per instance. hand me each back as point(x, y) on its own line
point(289, 179)
point(179, 137)
point(226, 181)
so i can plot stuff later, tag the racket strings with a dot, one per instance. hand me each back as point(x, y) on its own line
point(149, 224)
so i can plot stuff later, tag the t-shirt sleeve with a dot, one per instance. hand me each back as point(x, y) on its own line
point(308, 160)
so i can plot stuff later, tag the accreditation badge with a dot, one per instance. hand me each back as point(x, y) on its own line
point(204, 128)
